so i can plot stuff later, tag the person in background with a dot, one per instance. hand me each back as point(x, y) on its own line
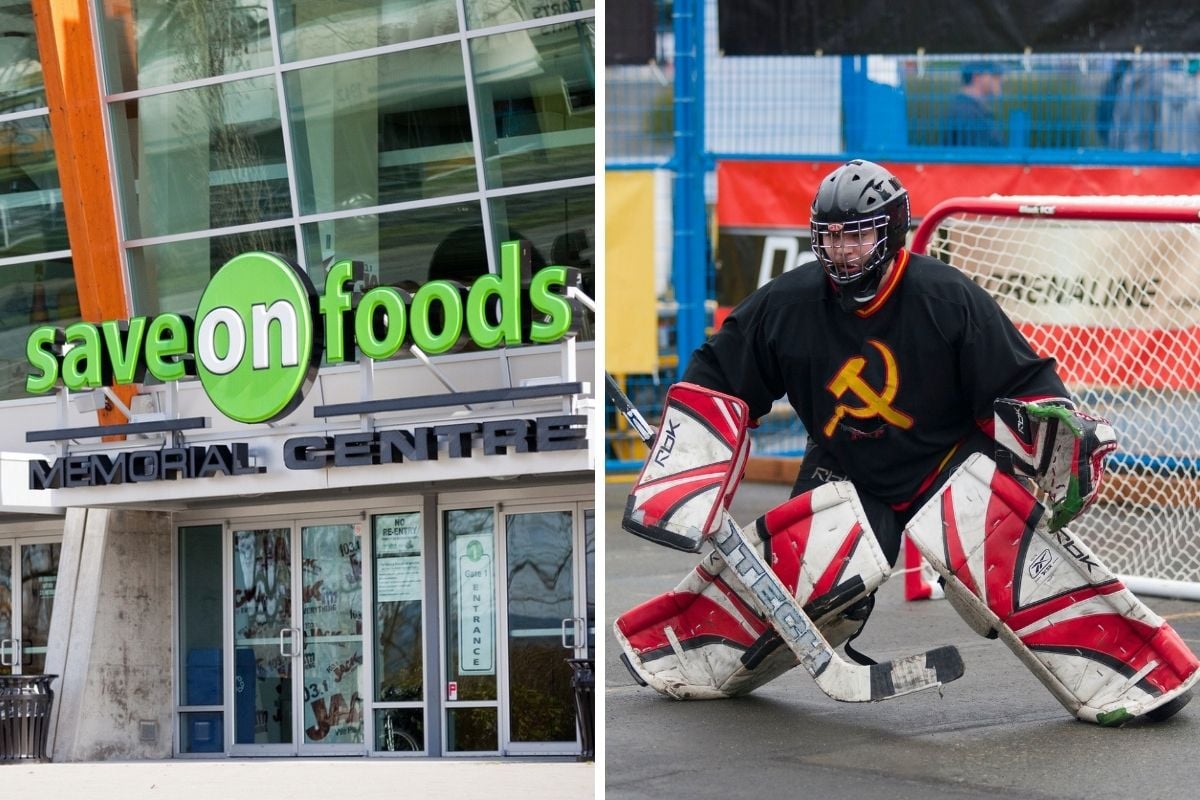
point(1137, 108)
point(971, 120)
point(1179, 126)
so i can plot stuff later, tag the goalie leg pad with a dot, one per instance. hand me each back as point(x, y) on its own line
point(696, 462)
point(703, 640)
point(1098, 649)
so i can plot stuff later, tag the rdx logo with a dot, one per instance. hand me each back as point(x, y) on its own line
point(668, 444)
point(1040, 566)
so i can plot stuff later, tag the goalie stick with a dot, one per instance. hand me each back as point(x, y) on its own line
point(838, 678)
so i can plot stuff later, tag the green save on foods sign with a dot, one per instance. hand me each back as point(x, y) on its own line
point(261, 329)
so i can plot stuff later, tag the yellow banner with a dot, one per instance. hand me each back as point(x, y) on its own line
point(631, 340)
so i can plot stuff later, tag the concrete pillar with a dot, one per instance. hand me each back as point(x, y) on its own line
point(110, 637)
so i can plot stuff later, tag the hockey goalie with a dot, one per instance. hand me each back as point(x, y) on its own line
point(926, 410)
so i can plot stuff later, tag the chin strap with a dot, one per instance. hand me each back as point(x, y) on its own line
point(850, 296)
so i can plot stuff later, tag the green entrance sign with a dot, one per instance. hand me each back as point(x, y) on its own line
point(260, 330)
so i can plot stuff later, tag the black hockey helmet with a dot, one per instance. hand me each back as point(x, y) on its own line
point(856, 197)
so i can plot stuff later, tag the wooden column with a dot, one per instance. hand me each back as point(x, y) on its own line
point(70, 63)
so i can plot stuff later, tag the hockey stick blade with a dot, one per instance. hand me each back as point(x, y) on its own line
point(631, 414)
point(838, 678)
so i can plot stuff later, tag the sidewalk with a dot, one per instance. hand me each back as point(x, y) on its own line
point(344, 778)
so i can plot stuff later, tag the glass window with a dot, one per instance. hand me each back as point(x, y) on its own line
point(6, 608)
point(471, 604)
point(399, 666)
point(471, 730)
point(536, 101)
point(31, 294)
point(315, 28)
point(400, 730)
point(541, 595)
point(31, 207)
point(39, 581)
point(404, 248)
point(389, 129)
point(202, 732)
point(172, 276)
point(589, 543)
point(200, 615)
point(20, 65)
point(560, 224)
point(487, 13)
point(156, 42)
point(202, 158)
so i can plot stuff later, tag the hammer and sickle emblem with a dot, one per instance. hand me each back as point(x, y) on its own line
point(874, 404)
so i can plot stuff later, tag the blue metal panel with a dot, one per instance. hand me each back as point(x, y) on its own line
point(689, 261)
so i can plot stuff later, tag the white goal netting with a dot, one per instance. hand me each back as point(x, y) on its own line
point(1110, 287)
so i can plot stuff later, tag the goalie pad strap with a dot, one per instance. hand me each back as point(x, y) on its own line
point(695, 464)
point(1102, 653)
point(704, 640)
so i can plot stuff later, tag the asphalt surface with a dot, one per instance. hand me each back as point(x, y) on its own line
point(994, 733)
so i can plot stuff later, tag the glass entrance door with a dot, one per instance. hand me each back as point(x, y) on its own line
point(331, 645)
point(266, 642)
point(549, 555)
point(28, 575)
point(297, 640)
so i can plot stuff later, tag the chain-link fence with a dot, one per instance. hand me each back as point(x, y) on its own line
point(1118, 109)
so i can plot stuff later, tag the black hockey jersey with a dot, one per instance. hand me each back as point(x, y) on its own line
point(889, 390)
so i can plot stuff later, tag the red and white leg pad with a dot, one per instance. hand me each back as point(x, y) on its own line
point(703, 640)
point(695, 464)
point(1098, 649)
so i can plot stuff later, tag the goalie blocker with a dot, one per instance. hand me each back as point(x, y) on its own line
point(694, 467)
point(1098, 649)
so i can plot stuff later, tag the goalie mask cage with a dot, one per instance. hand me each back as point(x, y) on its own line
point(1110, 287)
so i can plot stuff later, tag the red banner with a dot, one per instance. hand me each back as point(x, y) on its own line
point(1120, 357)
point(762, 210)
point(778, 194)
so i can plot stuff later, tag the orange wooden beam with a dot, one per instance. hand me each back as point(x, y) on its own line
point(66, 46)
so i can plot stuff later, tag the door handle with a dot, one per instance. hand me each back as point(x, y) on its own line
point(5, 644)
point(576, 623)
point(288, 637)
point(285, 639)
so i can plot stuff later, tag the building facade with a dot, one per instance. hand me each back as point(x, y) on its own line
point(296, 362)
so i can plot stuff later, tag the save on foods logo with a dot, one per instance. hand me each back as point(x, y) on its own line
point(260, 330)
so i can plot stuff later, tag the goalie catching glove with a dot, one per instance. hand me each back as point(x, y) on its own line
point(1061, 449)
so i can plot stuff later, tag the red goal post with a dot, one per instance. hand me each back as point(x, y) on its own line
point(1110, 287)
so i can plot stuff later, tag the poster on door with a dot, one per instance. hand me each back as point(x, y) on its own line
point(332, 585)
point(262, 579)
point(476, 605)
point(398, 558)
point(332, 621)
point(333, 706)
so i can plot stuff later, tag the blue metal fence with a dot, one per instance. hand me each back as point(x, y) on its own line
point(691, 106)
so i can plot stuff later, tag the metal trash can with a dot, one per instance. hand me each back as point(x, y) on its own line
point(583, 681)
point(25, 702)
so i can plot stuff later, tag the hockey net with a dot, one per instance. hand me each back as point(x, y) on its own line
point(1110, 287)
